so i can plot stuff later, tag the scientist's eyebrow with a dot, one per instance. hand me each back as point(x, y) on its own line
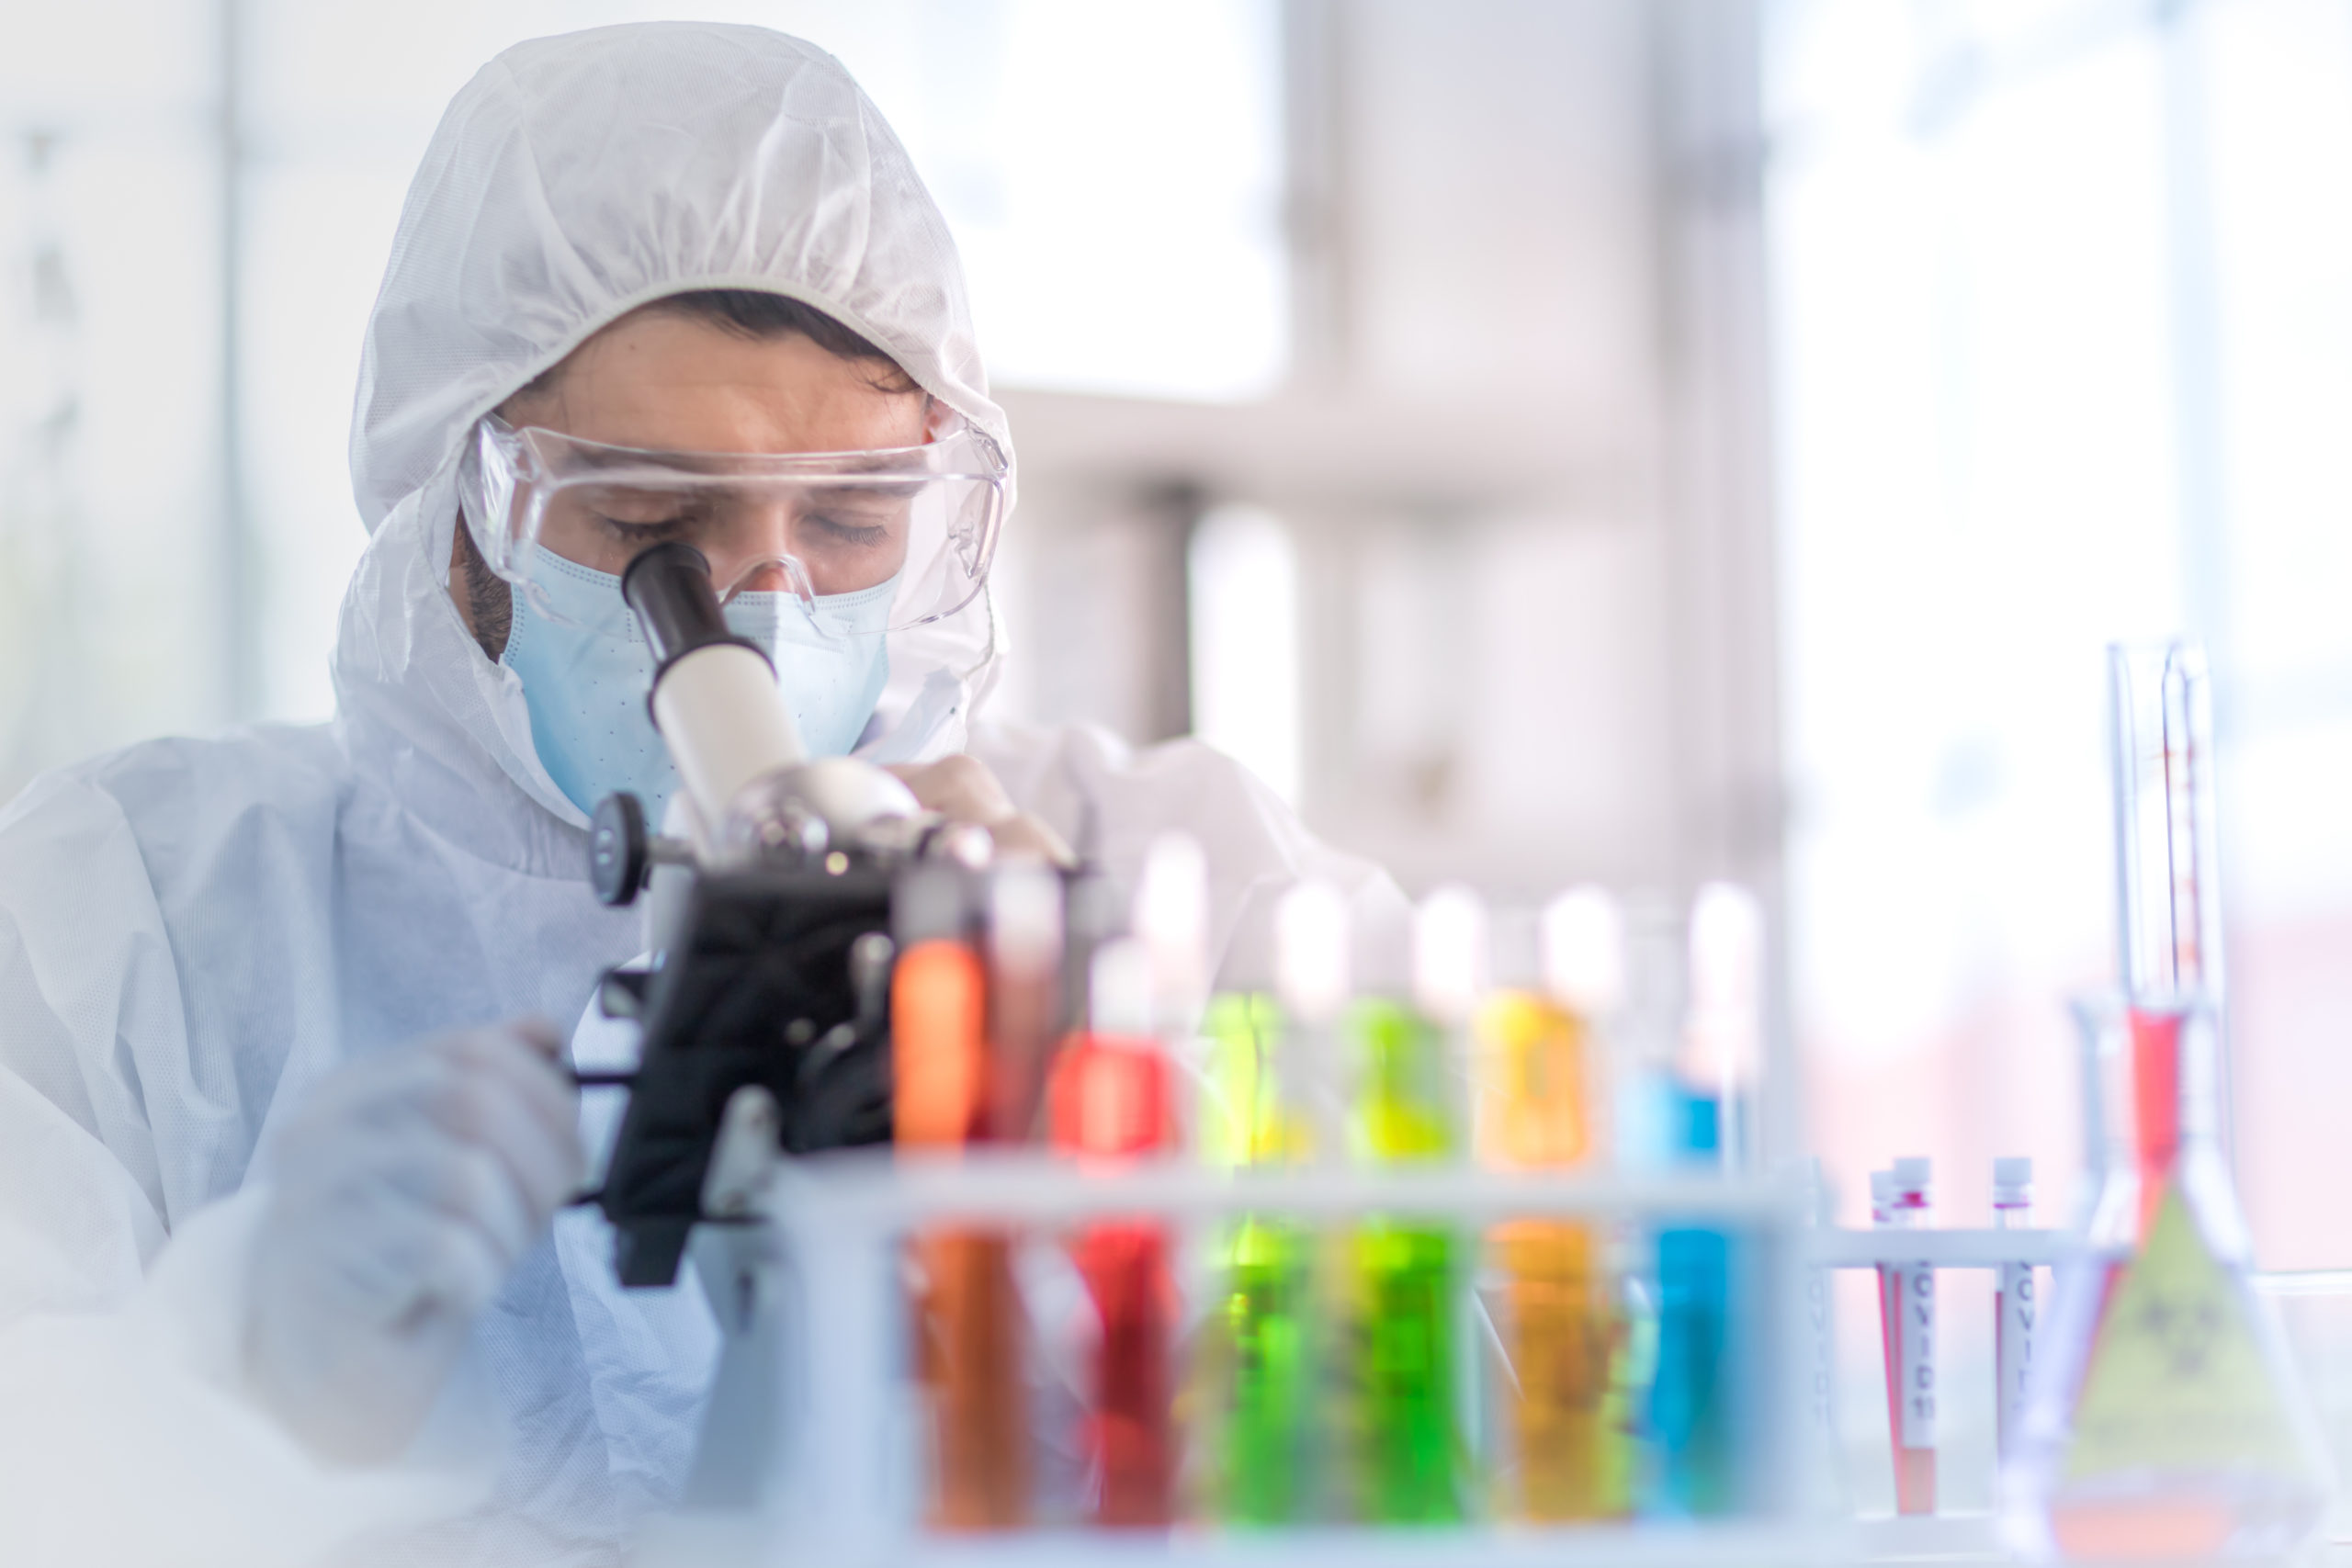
point(605, 459)
point(869, 495)
point(677, 503)
point(895, 470)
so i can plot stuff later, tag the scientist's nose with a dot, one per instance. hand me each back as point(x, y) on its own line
point(769, 576)
point(758, 557)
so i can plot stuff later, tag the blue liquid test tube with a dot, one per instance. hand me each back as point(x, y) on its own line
point(1694, 1424)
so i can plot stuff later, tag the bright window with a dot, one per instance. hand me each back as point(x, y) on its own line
point(1245, 642)
point(2064, 328)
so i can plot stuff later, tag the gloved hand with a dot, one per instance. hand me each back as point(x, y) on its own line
point(404, 1191)
point(962, 789)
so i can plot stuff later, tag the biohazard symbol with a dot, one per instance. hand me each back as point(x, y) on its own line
point(2178, 1379)
point(2183, 1332)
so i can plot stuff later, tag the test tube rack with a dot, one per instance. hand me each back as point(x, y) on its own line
point(806, 1448)
point(1955, 1538)
point(1845, 1248)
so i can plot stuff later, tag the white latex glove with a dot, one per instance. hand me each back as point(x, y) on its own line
point(963, 789)
point(404, 1191)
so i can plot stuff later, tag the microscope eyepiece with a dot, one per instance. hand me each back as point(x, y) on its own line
point(669, 587)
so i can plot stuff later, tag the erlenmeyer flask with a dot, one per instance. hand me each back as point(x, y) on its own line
point(2163, 1421)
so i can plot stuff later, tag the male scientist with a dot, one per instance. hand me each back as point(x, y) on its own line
point(285, 1129)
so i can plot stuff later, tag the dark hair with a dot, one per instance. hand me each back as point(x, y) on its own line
point(756, 314)
point(750, 313)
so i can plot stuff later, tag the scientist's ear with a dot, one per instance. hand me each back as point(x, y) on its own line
point(485, 601)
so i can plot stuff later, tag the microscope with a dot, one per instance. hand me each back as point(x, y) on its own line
point(765, 1013)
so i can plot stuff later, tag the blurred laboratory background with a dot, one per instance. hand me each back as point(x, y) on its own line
point(1642, 441)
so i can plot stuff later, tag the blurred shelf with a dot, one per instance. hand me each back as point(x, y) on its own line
point(711, 1543)
point(885, 1191)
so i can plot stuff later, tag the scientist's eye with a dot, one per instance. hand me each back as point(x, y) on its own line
point(645, 531)
point(846, 533)
point(638, 516)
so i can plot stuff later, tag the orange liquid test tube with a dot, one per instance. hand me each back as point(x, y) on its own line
point(969, 1321)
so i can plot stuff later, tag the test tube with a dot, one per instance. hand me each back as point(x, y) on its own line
point(1171, 917)
point(1696, 1406)
point(969, 1328)
point(1265, 1475)
point(1261, 1311)
point(1882, 1217)
point(1693, 1415)
point(1025, 995)
point(2014, 1307)
point(1315, 981)
point(1406, 1273)
point(1907, 1319)
point(1820, 1310)
point(1723, 1032)
point(1108, 1100)
point(1269, 1056)
point(938, 1014)
point(1256, 1439)
point(1564, 1336)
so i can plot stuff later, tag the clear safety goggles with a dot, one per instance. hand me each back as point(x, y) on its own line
point(919, 521)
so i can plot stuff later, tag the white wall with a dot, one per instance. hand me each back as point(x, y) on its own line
point(1479, 451)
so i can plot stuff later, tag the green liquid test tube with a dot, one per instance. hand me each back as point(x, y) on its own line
point(1262, 1466)
point(1408, 1454)
point(1266, 1462)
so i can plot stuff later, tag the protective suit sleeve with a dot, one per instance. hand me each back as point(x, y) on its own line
point(123, 1439)
point(1110, 800)
point(125, 1436)
point(87, 987)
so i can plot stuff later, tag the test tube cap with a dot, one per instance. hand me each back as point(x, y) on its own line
point(1723, 1032)
point(1119, 989)
point(1881, 1193)
point(1171, 918)
point(929, 904)
point(1583, 943)
point(1311, 955)
point(1449, 954)
point(1912, 1174)
point(2012, 1180)
point(1025, 908)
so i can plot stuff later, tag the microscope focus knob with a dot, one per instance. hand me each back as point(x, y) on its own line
point(619, 850)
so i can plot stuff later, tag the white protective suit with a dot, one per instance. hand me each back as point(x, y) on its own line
point(192, 933)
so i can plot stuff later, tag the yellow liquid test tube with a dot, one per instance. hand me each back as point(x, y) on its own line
point(1563, 1330)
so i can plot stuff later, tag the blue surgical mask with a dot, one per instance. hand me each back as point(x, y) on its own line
point(586, 669)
